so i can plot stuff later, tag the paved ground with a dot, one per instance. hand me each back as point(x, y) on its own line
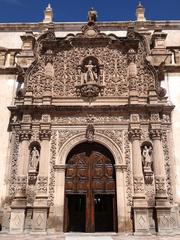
point(77, 236)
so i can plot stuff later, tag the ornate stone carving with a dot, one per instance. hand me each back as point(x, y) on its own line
point(129, 180)
point(155, 117)
point(90, 86)
point(90, 132)
point(156, 133)
point(53, 151)
point(24, 135)
point(167, 166)
point(160, 185)
point(116, 135)
point(42, 183)
point(21, 183)
point(31, 194)
point(45, 134)
point(66, 75)
point(13, 164)
point(138, 185)
point(135, 134)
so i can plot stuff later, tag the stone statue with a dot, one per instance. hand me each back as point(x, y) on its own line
point(147, 160)
point(90, 74)
point(92, 15)
point(34, 160)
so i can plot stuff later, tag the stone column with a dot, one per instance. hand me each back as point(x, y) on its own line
point(19, 203)
point(40, 204)
point(23, 160)
point(57, 220)
point(140, 207)
point(162, 204)
point(121, 199)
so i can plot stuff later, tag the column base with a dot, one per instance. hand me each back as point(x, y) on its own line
point(39, 223)
point(17, 220)
point(163, 215)
point(141, 221)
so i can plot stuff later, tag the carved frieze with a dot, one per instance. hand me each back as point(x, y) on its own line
point(56, 69)
point(21, 182)
point(160, 185)
point(138, 185)
point(42, 183)
point(129, 181)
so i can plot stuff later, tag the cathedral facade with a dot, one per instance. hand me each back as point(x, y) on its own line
point(90, 144)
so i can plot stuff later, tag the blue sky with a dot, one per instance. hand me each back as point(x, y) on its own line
point(76, 10)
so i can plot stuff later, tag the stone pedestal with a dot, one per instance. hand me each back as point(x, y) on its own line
point(17, 220)
point(163, 219)
point(39, 222)
point(141, 221)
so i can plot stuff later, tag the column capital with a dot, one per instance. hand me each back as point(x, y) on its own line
point(155, 134)
point(45, 134)
point(25, 134)
point(135, 134)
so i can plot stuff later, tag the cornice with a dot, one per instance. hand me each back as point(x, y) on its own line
point(103, 26)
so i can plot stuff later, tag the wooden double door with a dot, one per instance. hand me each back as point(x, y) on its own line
point(90, 199)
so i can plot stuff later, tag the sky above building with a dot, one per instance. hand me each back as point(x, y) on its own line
point(76, 10)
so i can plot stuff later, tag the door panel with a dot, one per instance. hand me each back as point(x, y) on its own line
point(77, 213)
point(90, 177)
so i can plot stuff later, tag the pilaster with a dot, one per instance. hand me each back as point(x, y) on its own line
point(163, 208)
point(141, 220)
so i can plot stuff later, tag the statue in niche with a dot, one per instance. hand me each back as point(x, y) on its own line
point(92, 15)
point(34, 158)
point(90, 75)
point(147, 159)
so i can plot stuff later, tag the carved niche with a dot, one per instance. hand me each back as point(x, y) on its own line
point(83, 65)
point(90, 81)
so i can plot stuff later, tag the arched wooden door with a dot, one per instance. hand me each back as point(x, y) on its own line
point(90, 195)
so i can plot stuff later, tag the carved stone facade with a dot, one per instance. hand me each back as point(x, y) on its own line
point(101, 93)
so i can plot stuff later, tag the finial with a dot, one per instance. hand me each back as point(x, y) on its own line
point(140, 10)
point(48, 14)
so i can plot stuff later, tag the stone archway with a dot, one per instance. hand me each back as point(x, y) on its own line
point(120, 167)
point(90, 189)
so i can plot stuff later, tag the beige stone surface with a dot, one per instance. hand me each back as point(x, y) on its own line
point(7, 83)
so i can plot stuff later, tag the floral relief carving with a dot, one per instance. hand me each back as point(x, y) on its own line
point(167, 165)
point(58, 138)
point(160, 185)
point(57, 72)
point(116, 135)
point(21, 183)
point(42, 183)
point(14, 158)
point(127, 155)
point(138, 185)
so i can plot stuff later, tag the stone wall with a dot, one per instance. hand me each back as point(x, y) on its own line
point(7, 83)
